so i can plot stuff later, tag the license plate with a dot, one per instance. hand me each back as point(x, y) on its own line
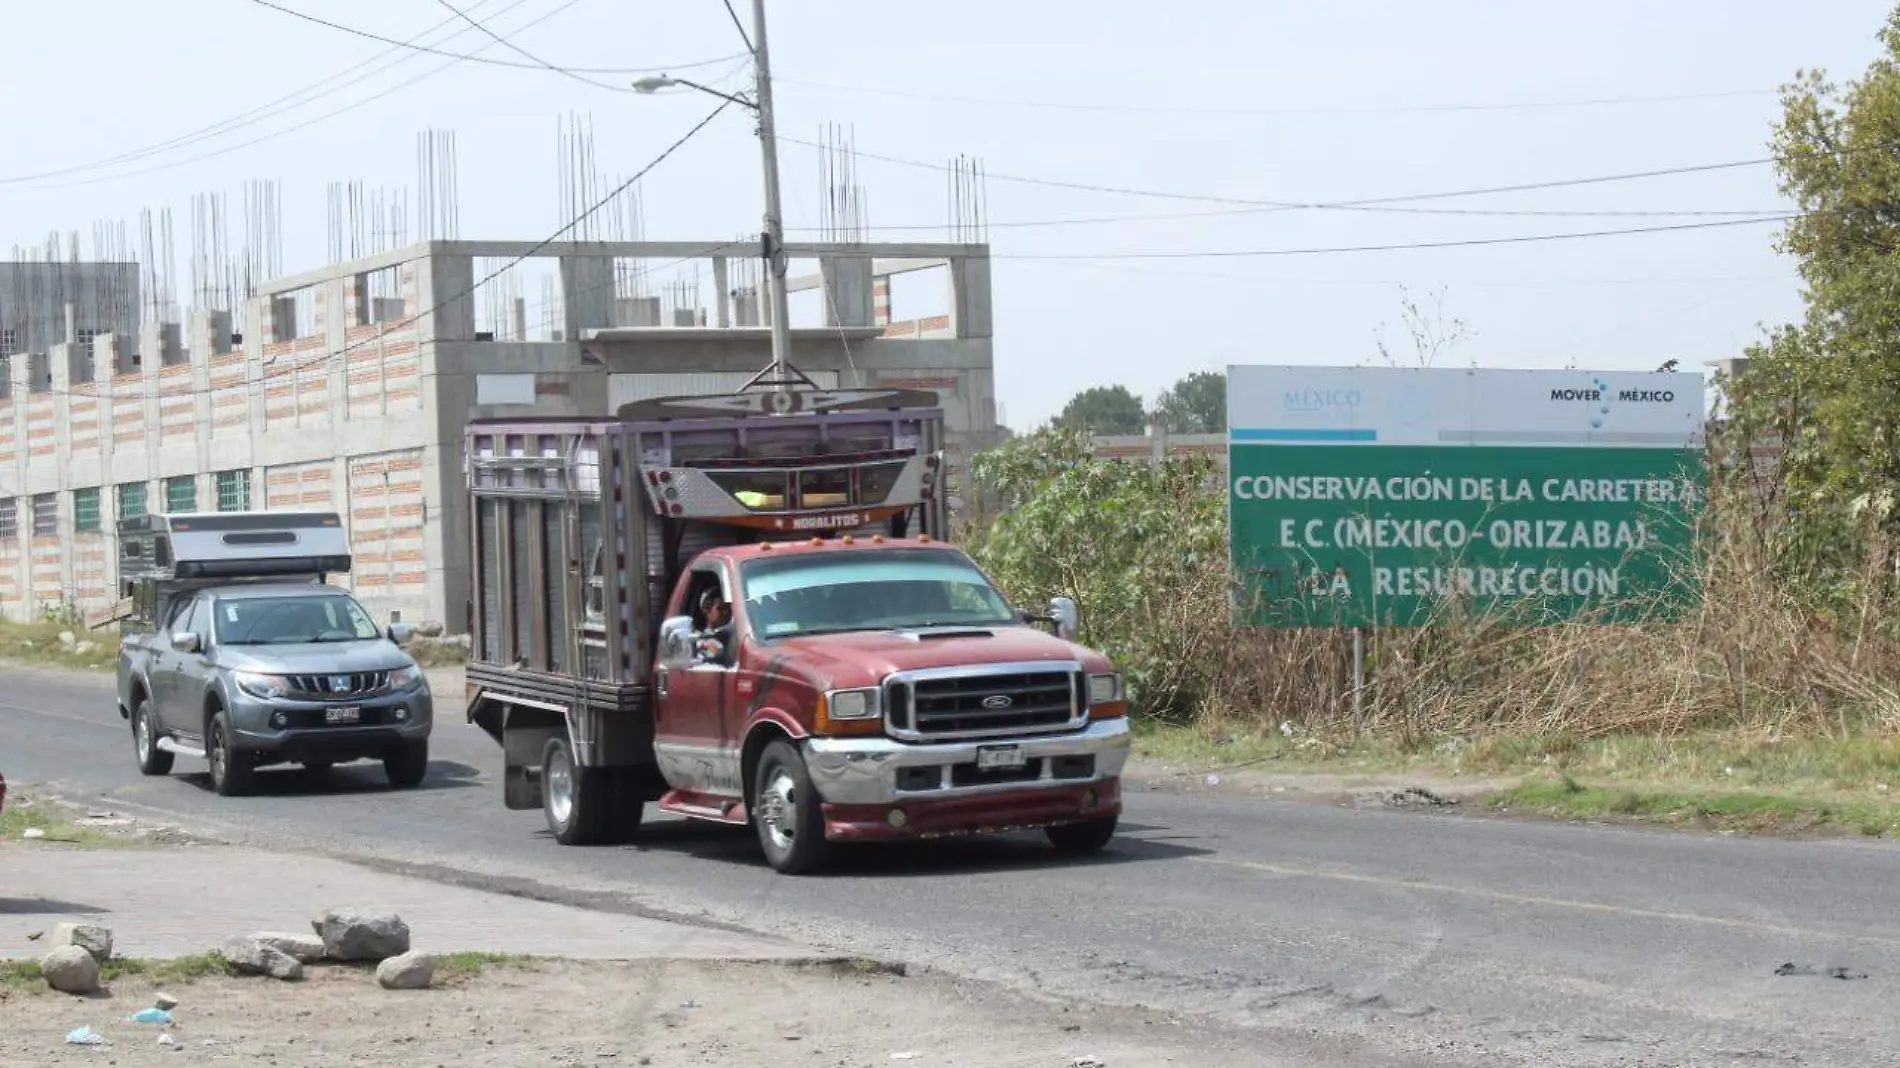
point(999, 757)
point(342, 715)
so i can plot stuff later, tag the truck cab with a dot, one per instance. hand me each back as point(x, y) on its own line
point(239, 652)
point(741, 608)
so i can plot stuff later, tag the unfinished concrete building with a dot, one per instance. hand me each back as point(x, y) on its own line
point(348, 388)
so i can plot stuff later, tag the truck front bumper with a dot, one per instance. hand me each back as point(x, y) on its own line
point(383, 722)
point(883, 772)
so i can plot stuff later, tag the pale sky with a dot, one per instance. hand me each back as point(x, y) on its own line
point(1252, 100)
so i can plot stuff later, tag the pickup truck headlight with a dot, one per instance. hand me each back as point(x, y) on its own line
point(852, 704)
point(262, 687)
point(1105, 689)
point(405, 678)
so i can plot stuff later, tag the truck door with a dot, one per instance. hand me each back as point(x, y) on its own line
point(168, 665)
point(694, 704)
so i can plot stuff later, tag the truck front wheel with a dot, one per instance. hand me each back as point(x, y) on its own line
point(578, 801)
point(1080, 838)
point(233, 771)
point(787, 812)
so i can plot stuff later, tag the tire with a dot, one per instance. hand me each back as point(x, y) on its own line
point(787, 813)
point(578, 802)
point(629, 787)
point(407, 765)
point(152, 759)
point(233, 773)
point(1078, 839)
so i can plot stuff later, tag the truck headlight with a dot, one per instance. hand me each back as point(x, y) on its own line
point(852, 704)
point(1105, 689)
point(404, 678)
point(262, 687)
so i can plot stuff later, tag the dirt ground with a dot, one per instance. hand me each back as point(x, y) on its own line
point(603, 1014)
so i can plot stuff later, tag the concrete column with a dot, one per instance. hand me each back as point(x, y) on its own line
point(636, 312)
point(846, 281)
point(722, 297)
point(970, 297)
point(19, 370)
point(587, 295)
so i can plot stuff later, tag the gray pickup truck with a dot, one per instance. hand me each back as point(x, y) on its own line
point(237, 651)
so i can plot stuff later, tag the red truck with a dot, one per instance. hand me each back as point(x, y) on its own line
point(740, 608)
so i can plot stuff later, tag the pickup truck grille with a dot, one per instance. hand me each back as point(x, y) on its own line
point(1029, 701)
point(323, 687)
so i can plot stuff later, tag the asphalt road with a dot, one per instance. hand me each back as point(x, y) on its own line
point(1352, 936)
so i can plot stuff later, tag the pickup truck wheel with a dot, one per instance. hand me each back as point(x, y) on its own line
point(407, 765)
point(1081, 838)
point(152, 759)
point(578, 802)
point(232, 771)
point(790, 823)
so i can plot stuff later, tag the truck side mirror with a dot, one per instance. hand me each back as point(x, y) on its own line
point(676, 643)
point(186, 642)
point(401, 633)
point(1068, 618)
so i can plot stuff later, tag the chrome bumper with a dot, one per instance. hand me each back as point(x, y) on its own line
point(864, 771)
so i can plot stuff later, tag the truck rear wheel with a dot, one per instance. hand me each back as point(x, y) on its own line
point(152, 759)
point(787, 813)
point(578, 801)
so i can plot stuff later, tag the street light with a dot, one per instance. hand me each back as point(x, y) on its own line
point(773, 240)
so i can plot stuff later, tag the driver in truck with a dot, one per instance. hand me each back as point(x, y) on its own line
point(716, 636)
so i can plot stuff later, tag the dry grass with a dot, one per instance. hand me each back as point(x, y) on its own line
point(39, 643)
point(1751, 660)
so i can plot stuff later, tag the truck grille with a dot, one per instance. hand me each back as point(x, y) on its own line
point(1029, 701)
point(355, 684)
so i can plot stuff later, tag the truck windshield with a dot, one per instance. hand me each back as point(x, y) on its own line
point(871, 590)
point(293, 620)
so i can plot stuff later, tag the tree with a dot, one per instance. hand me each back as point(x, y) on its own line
point(1104, 410)
point(1196, 404)
point(1829, 386)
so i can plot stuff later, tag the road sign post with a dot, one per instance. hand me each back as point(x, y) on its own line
point(1378, 497)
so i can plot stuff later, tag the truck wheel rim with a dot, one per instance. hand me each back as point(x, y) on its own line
point(560, 788)
point(145, 736)
point(217, 755)
point(778, 810)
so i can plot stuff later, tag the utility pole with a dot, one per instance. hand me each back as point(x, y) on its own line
point(773, 240)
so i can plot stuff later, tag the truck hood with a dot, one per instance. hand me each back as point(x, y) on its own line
point(864, 658)
point(370, 654)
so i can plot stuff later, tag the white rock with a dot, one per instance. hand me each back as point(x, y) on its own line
point(90, 937)
point(353, 934)
point(252, 957)
point(68, 639)
point(70, 970)
point(304, 949)
point(83, 648)
point(410, 971)
point(430, 628)
point(162, 1000)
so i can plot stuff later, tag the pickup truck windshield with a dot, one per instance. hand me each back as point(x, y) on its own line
point(294, 620)
point(869, 590)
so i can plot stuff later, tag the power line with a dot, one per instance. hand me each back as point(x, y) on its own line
point(247, 118)
point(300, 368)
point(1226, 213)
point(1461, 243)
point(471, 58)
point(525, 54)
point(1166, 109)
point(324, 117)
point(1285, 205)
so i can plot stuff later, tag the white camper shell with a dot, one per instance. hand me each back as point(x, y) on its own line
point(162, 555)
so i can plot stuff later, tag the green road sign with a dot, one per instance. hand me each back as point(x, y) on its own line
point(1392, 497)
